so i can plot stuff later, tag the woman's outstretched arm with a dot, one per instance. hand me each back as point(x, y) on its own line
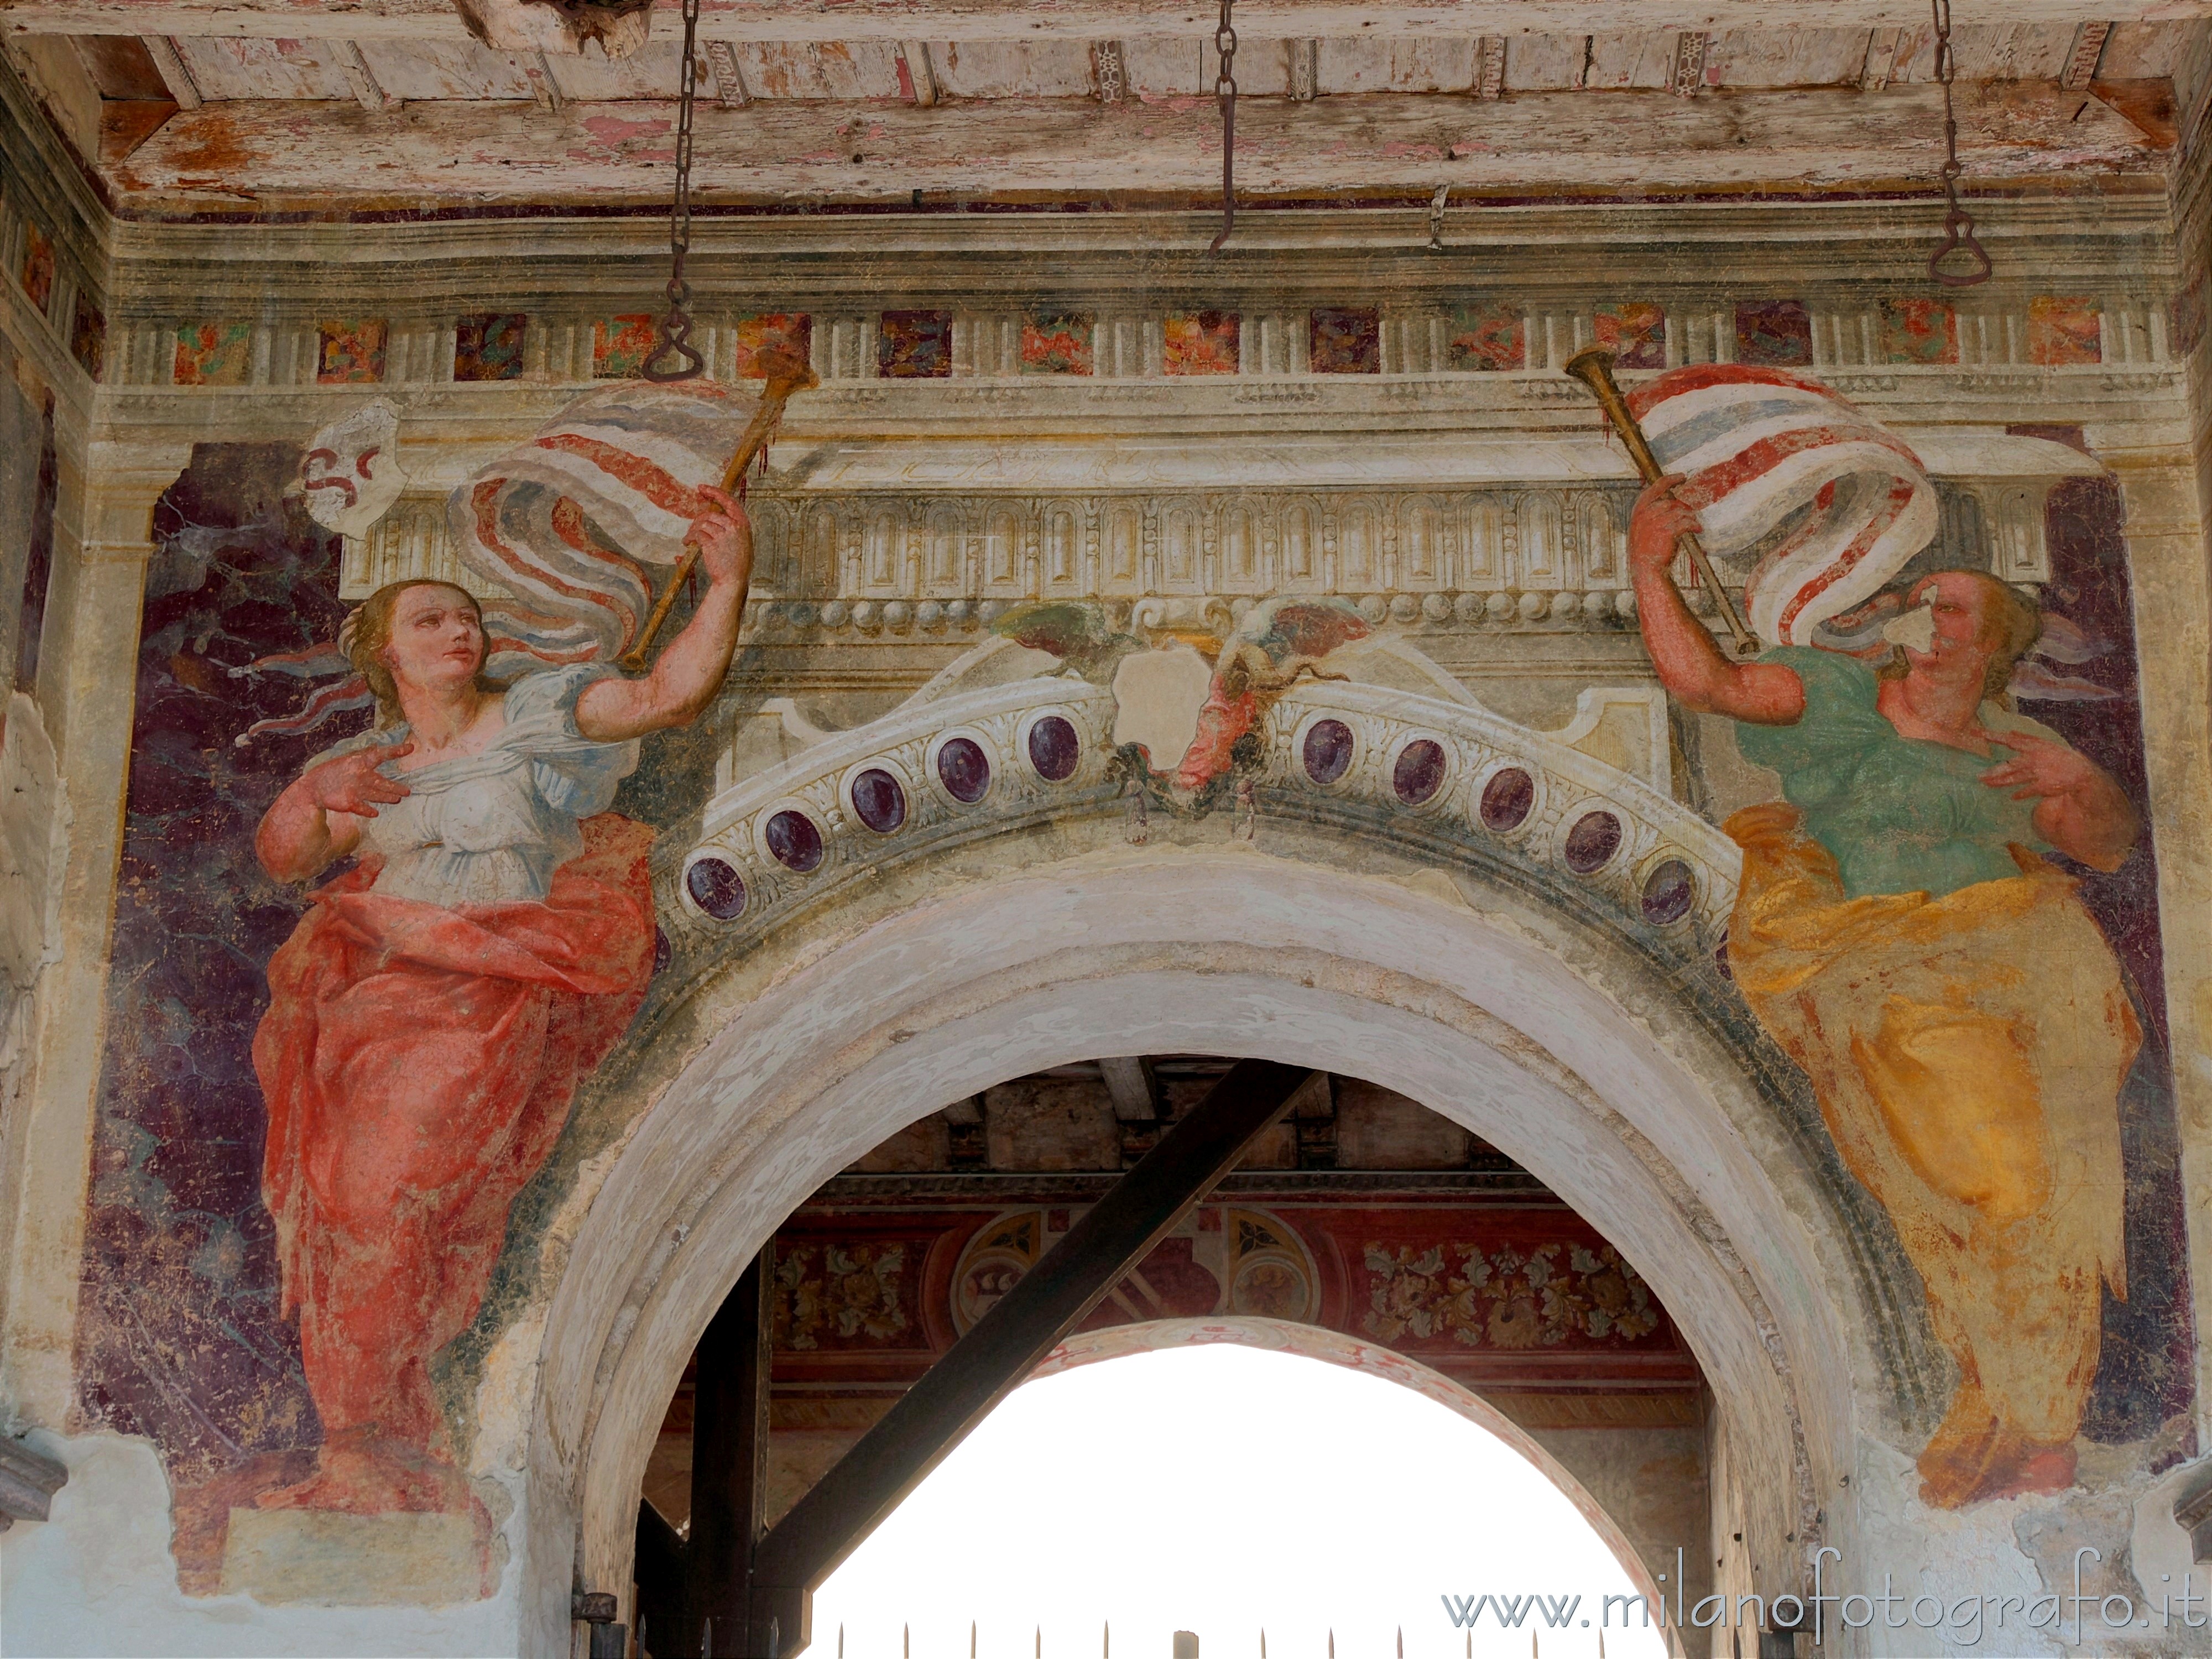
point(690, 672)
point(319, 817)
point(1683, 650)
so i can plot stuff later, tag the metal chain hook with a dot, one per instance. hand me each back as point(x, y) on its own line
point(1958, 224)
point(675, 326)
point(1224, 93)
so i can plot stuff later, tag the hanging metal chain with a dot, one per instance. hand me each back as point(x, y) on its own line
point(1224, 93)
point(676, 327)
point(1958, 223)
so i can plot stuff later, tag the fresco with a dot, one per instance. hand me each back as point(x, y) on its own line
point(1908, 928)
point(387, 873)
point(395, 1056)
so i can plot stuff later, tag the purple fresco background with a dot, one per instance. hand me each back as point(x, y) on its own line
point(179, 1338)
point(2145, 1372)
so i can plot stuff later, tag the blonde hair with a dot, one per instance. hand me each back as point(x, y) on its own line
point(368, 630)
point(2012, 624)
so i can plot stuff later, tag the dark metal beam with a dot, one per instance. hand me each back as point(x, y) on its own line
point(1002, 1348)
point(729, 1457)
point(686, 1586)
point(658, 1572)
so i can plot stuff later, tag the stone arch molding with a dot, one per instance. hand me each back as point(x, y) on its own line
point(1359, 932)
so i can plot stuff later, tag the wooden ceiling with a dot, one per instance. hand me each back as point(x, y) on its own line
point(199, 107)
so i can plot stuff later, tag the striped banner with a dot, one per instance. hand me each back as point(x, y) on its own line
point(570, 523)
point(1823, 502)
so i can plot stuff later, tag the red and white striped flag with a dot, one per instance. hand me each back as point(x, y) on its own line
point(568, 526)
point(1826, 502)
point(568, 522)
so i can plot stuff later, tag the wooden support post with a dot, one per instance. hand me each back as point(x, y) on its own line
point(1002, 1348)
point(658, 1573)
point(688, 1589)
point(729, 1462)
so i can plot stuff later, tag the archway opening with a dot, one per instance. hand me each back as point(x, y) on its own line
point(1231, 1483)
point(1363, 1229)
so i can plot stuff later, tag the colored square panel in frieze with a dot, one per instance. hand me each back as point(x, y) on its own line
point(38, 272)
point(620, 345)
point(788, 332)
point(1056, 343)
point(1635, 332)
point(213, 354)
point(488, 345)
point(2185, 317)
point(2064, 331)
point(1918, 331)
point(351, 352)
point(89, 336)
point(1201, 343)
point(1344, 340)
point(1486, 339)
point(1774, 334)
point(915, 346)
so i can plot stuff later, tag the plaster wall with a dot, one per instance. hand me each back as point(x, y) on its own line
point(781, 1064)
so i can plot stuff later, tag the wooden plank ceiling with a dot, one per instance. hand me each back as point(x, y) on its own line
point(334, 107)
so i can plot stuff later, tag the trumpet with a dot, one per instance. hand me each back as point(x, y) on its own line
point(1593, 367)
point(786, 376)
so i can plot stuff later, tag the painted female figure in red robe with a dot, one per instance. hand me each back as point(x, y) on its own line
point(434, 1010)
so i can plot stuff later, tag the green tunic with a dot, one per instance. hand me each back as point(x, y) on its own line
point(1899, 814)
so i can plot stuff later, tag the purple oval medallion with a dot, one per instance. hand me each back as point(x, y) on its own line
point(1054, 749)
point(1668, 892)
point(1592, 843)
point(878, 801)
point(964, 769)
point(1328, 750)
point(716, 888)
point(795, 841)
point(1508, 798)
point(1419, 772)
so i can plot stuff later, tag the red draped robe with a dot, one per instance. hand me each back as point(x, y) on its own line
point(418, 1063)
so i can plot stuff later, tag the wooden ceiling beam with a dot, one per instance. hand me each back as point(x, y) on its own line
point(334, 158)
point(1084, 20)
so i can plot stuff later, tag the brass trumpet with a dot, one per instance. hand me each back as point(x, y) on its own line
point(1593, 367)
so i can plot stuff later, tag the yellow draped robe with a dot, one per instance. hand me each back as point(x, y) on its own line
point(1968, 1052)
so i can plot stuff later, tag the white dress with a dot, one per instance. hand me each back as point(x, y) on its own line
point(491, 828)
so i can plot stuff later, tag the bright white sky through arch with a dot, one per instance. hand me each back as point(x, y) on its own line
point(1218, 1489)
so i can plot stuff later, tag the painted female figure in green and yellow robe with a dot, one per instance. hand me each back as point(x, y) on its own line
point(1962, 1018)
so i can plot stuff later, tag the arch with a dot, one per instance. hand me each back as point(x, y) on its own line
point(1179, 546)
point(1482, 564)
point(774, 557)
point(1540, 541)
point(1358, 545)
point(1603, 539)
point(1063, 544)
point(881, 544)
point(1425, 560)
point(769, 1073)
point(941, 549)
point(1300, 540)
point(1125, 542)
point(820, 574)
point(1371, 1359)
point(1240, 547)
point(1002, 546)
